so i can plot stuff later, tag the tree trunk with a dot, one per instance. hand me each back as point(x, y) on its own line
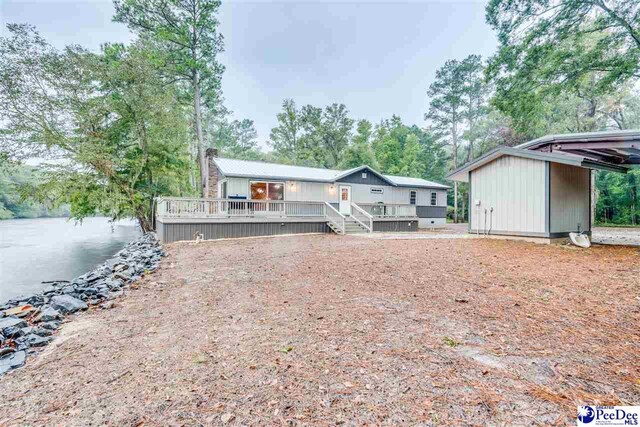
point(197, 101)
point(454, 139)
point(464, 205)
point(145, 222)
point(455, 202)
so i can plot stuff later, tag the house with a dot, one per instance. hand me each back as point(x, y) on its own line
point(250, 198)
point(542, 188)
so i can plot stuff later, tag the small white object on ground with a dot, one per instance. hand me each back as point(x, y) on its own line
point(580, 239)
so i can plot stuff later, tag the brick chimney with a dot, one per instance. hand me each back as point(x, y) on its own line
point(213, 175)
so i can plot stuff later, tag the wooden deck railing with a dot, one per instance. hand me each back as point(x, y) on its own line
point(185, 207)
point(195, 208)
point(362, 216)
point(335, 218)
point(389, 210)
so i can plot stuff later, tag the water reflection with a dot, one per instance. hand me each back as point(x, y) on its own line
point(36, 250)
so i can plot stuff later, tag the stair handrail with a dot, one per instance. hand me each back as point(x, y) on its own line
point(341, 218)
point(367, 215)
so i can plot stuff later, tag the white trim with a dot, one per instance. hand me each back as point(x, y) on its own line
point(413, 193)
point(347, 203)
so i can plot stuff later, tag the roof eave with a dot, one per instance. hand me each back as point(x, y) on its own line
point(358, 169)
point(462, 173)
point(280, 178)
point(594, 164)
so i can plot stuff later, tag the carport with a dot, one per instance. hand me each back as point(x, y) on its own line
point(542, 188)
point(617, 149)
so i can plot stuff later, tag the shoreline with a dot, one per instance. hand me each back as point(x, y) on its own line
point(45, 249)
point(267, 332)
point(28, 322)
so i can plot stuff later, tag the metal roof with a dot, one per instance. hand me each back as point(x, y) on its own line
point(264, 170)
point(620, 148)
point(462, 173)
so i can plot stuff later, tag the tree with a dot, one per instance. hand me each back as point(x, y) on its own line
point(360, 152)
point(490, 131)
point(310, 151)
point(619, 195)
point(432, 156)
point(410, 162)
point(475, 93)
point(117, 131)
point(14, 178)
point(386, 146)
point(311, 136)
point(364, 132)
point(285, 137)
point(237, 139)
point(552, 47)
point(447, 111)
point(336, 132)
point(188, 29)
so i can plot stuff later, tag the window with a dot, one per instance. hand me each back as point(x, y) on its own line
point(377, 190)
point(412, 197)
point(275, 191)
point(261, 190)
point(224, 189)
point(344, 194)
point(364, 175)
point(434, 198)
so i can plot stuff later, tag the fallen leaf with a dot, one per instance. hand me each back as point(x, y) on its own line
point(200, 358)
point(228, 417)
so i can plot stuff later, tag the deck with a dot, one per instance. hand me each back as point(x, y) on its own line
point(198, 218)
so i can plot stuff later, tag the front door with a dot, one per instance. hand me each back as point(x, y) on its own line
point(345, 199)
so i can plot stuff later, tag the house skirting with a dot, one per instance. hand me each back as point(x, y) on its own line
point(175, 231)
point(431, 222)
point(395, 225)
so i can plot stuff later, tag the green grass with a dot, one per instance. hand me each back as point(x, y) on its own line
point(448, 341)
point(610, 225)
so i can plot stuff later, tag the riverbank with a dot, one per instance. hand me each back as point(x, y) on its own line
point(28, 322)
point(326, 329)
point(43, 249)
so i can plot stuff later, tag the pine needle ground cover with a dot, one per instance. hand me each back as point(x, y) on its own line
point(329, 329)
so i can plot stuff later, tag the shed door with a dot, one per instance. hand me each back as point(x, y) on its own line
point(345, 199)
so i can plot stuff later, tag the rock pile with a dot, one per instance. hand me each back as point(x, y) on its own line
point(28, 322)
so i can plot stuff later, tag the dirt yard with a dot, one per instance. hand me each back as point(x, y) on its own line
point(326, 330)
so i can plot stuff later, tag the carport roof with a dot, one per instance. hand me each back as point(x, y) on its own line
point(620, 148)
point(462, 173)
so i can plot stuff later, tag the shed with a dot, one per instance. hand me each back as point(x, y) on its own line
point(522, 192)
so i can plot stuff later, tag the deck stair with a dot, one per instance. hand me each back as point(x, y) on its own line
point(335, 227)
point(352, 226)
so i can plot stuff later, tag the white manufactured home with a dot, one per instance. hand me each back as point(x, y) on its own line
point(249, 198)
point(542, 189)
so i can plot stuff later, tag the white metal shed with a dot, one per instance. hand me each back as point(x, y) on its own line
point(519, 192)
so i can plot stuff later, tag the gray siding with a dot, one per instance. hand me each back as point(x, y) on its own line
point(371, 179)
point(569, 198)
point(431, 211)
point(515, 188)
point(173, 232)
point(395, 225)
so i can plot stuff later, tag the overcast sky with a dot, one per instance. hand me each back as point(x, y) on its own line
point(376, 57)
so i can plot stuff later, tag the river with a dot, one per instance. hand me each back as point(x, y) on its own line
point(42, 249)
